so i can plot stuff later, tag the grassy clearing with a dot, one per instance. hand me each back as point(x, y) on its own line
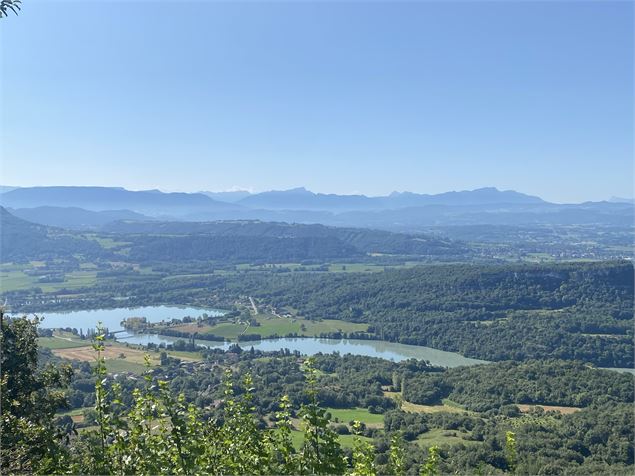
point(439, 437)
point(345, 415)
point(107, 243)
point(347, 441)
point(186, 355)
point(62, 340)
point(115, 366)
point(446, 406)
point(57, 342)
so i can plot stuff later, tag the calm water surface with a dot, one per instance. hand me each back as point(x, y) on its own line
point(111, 318)
point(311, 346)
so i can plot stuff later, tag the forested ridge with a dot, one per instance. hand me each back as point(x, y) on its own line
point(219, 242)
point(237, 248)
point(362, 240)
point(549, 382)
point(581, 311)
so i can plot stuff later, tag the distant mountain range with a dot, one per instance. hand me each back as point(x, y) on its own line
point(74, 218)
point(152, 202)
point(229, 197)
point(20, 238)
point(303, 199)
point(94, 207)
point(227, 241)
point(621, 200)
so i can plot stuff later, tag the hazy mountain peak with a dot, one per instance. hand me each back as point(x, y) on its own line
point(301, 190)
point(151, 202)
point(621, 200)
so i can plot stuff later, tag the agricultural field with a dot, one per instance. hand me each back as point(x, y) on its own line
point(270, 325)
point(342, 267)
point(62, 340)
point(346, 415)
point(57, 342)
point(106, 242)
point(446, 406)
point(185, 355)
point(118, 358)
point(14, 277)
point(111, 351)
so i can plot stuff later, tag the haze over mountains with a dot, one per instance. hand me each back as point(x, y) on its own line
point(94, 207)
point(303, 199)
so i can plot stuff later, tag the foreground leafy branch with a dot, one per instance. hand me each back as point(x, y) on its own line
point(12, 5)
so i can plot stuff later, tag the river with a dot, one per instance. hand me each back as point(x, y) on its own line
point(313, 345)
point(111, 318)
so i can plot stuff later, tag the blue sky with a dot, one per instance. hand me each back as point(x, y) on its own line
point(337, 97)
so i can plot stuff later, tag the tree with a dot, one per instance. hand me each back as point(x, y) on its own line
point(397, 454)
point(29, 398)
point(510, 451)
point(321, 452)
point(6, 5)
point(363, 454)
point(431, 465)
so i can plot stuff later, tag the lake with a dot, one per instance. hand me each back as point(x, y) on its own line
point(310, 345)
point(111, 318)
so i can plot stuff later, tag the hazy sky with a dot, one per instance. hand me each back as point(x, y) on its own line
point(338, 97)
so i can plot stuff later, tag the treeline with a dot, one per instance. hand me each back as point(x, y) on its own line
point(596, 440)
point(551, 382)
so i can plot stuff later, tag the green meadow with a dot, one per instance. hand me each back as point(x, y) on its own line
point(270, 325)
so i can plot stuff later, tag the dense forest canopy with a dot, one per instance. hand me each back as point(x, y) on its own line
point(580, 311)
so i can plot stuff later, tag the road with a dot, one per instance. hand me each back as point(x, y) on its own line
point(253, 305)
